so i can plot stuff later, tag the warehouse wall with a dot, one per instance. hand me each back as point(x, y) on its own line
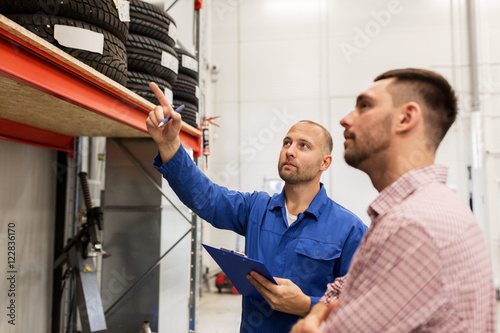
point(277, 62)
point(27, 215)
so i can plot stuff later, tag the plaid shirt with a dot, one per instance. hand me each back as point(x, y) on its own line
point(422, 266)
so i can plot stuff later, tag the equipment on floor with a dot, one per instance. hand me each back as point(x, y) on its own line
point(222, 282)
point(78, 256)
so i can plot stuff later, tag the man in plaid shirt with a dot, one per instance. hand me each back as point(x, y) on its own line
point(423, 265)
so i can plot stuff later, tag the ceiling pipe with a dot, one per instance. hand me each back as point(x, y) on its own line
point(477, 132)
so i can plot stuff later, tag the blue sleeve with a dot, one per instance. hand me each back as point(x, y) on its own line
point(350, 246)
point(314, 300)
point(216, 204)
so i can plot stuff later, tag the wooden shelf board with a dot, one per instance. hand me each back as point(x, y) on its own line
point(44, 87)
point(28, 106)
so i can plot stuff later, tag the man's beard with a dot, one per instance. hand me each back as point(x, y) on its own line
point(355, 158)
point(296, 177)
point(375, 143)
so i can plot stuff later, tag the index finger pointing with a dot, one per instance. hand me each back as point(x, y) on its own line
point(159, 95)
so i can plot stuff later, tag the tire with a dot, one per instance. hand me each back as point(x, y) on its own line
point(113, 61)
point(101, 13)
point(148, 20)
point(189, 114)
point(145, 55)
point(139, 83)
point(188, 106)
point(187, 63)
point(185, 89)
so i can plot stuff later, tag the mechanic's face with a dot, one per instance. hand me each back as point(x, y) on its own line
point(301, 155)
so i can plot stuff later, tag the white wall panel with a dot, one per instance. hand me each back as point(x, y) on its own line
point(279, 20)
point(489, 89)
point(396, 15)
point(254, 176)
point(256, 144)
point(225, 83)
point(352, 73)
point(270, 121)
point(224, 22)
point(279, 70)
point(327, 53)
point(352, 189)
point(223, 163)
point(27, 208)
point(348, 186)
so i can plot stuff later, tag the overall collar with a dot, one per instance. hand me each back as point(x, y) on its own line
point(314, 209)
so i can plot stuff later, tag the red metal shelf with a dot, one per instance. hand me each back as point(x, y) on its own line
point(46, 89)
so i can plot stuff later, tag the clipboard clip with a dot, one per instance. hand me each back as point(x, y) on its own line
point(238, 253)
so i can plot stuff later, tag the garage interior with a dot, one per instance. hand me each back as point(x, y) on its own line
point(261, 66)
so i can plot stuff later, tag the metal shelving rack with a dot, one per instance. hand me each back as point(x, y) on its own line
point(50, 99)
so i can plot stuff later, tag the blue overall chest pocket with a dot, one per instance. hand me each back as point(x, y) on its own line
point(315, 261)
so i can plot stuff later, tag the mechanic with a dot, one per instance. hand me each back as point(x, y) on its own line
point(303, 237)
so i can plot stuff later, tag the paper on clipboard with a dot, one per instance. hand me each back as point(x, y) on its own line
point(237, 267)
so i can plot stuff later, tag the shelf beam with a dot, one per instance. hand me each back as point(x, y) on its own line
point(16, 132)
point(79, 101)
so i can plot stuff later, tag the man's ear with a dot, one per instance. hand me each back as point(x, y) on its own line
point(325, 164)
point(409, 117)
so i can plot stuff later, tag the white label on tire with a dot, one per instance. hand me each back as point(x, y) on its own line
point(189, 63)
point(124, 10)
point(79, 38)
point(169, 95)
point(169, 61)
point(197, 92)
point(172, 31)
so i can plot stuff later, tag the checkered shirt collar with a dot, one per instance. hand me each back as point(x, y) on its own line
point(404, 186)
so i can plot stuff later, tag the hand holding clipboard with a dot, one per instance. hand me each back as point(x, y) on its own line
point(237, 267)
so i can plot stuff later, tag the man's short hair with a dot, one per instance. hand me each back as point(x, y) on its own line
point(328, 143)
point(430, 89)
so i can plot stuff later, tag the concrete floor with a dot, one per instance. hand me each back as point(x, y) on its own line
point(219, 313)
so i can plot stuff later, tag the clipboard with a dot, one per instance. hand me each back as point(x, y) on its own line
point(237, 267)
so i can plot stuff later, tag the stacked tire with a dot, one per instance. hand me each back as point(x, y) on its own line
point(185, 89)
point(150, 50)
point(99, 16)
